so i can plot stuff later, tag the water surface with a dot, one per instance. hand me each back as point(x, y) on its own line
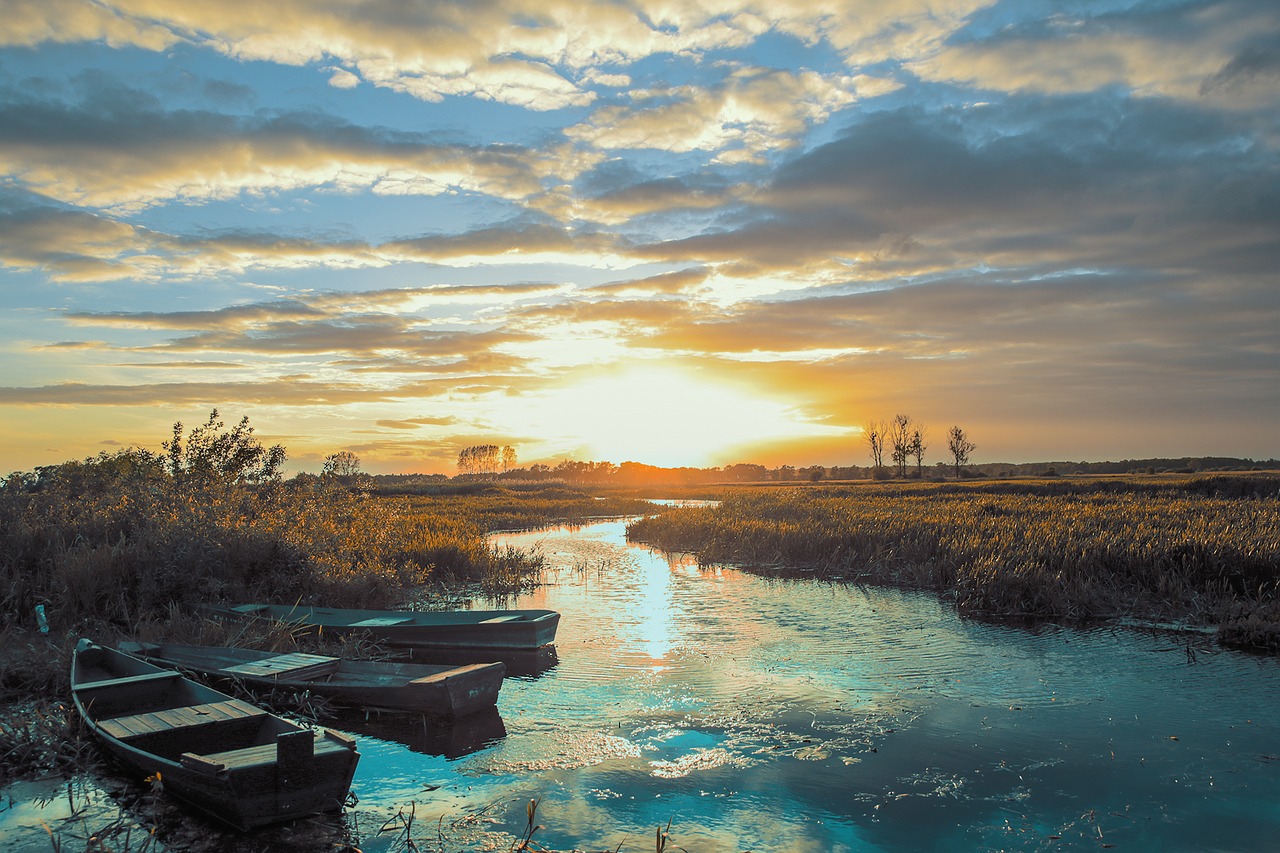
point(773, 715)
point(801, 715)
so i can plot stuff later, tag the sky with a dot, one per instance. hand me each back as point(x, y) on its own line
point(662, 231)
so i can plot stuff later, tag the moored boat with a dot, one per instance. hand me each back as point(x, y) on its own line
point(488, 629)
point(226, 757)
point(441, 691)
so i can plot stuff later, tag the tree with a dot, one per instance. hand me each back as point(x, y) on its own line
point(918, 447)
point(900, 441)
point(479, 459)
point(960, 446)
point(212, 455)
point(344, 463)
point(874, 432)
point(508, 458)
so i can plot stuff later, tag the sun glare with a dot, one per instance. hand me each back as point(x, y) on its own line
point(663, 416)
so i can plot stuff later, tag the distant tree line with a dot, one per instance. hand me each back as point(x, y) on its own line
point(901, 442)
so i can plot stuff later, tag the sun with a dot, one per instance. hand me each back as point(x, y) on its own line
point(663, 416)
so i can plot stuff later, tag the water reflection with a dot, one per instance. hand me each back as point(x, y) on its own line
point(427, 736)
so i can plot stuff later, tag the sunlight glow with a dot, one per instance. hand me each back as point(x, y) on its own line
point(663, 416)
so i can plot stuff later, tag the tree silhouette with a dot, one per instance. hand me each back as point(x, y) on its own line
point(960, 446)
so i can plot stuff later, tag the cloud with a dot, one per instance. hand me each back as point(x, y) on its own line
point(520, 52)
point(681, 281)
point(341, 78)
point(289, 391)
point(752, 110)
point(518, 241)
point(416, 423)
point(1214, 43)
point(71, 245)
point(1085, 182)
point(118, 150)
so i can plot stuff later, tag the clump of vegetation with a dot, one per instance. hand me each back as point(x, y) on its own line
point(107, 543)
point(1202, 550)
point(41, 737)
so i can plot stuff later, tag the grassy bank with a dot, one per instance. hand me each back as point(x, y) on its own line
point(1201, 550)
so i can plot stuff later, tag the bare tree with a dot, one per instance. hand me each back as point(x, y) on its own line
point(873, 432)
point(900, 435)
point(960, 446)
point(508, 457)
point(918, 447)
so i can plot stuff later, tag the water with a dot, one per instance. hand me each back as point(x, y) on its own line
point(770, 715)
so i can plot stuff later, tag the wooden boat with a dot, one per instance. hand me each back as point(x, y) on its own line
point(522, 663)
point(223, 756)
point(488, 629)
point(441, 691)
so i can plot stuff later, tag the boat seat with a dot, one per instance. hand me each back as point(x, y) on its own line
point(127, 679)
point(173, 719)
point(288, 746)
point(379, 621)
point(296, 665)
point(511, 618)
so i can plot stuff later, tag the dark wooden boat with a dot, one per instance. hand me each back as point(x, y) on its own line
point(224, 756)
point(488, 629)
point(441, 691)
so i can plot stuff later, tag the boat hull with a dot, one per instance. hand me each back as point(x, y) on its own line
point(229, 759)
point(447, 692)
point(488, 629)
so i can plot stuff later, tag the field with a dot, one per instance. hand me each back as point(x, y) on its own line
point(1194, 550)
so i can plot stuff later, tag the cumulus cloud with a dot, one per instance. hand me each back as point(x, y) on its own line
point(752, 110)
point(508, 52)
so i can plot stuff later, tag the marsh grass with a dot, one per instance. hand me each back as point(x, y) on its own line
point(112, 543)
point(42, 738)
point(1203, 550)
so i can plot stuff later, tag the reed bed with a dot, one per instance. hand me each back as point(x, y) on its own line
point(1199, 550)
point(498, 508)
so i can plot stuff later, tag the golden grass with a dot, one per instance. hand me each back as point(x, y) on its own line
point(1205, 550)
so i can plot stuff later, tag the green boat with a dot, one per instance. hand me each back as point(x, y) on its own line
point(227, 758)
point(440, 691)
point(480, 629)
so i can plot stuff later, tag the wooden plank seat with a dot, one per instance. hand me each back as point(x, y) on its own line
point(442, 677)
point(289, 747)
point(296, 665)
point(126, 679)
point(380, 621)
point(135, 726)
point(500, 619)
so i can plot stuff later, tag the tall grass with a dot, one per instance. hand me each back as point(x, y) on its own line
point(1205, 550)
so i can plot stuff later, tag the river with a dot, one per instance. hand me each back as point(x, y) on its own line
point(758, 714)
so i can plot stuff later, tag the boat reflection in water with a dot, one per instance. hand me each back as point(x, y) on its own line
point(520, 663)
point(427, 735)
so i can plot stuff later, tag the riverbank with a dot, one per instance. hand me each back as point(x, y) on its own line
point(1193, 550)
